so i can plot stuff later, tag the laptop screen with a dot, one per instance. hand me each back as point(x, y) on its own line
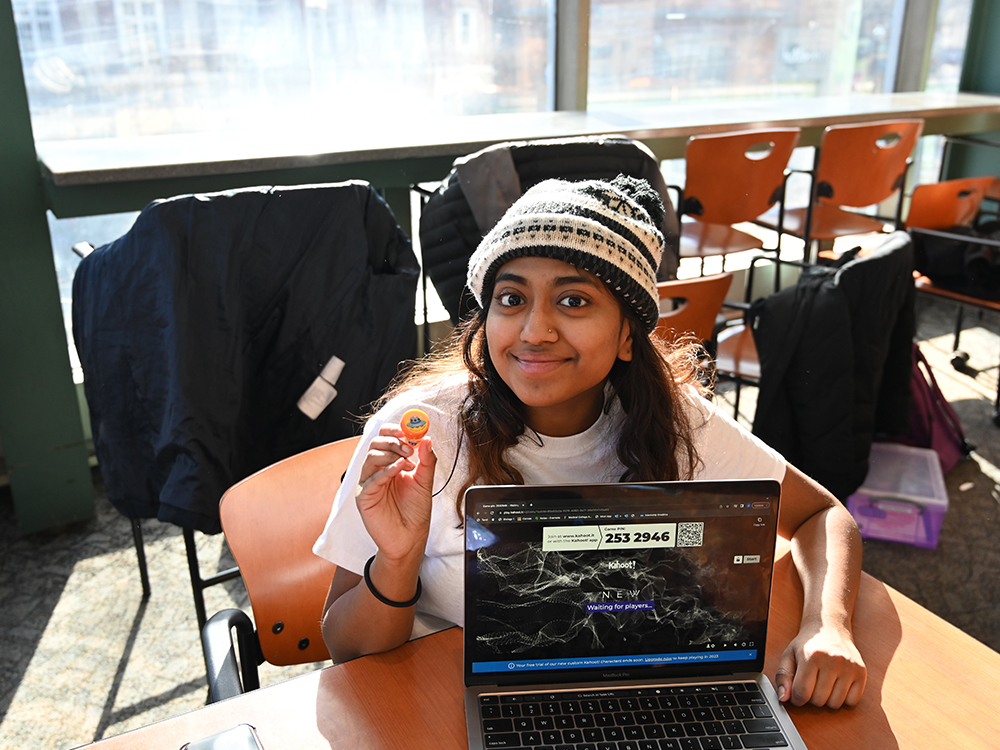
point(617, 581)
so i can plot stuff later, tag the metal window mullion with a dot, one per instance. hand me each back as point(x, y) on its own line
point(571, 45)
point(919, 20)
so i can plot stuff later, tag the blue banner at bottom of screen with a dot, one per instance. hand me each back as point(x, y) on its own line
point(605, 662)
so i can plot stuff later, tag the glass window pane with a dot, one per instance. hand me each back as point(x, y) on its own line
point(126, 68)
point(97, 230)
point(726, 49)
point(943, 74)
point(948, 49)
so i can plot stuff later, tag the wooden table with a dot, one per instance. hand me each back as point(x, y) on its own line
point(929, 686)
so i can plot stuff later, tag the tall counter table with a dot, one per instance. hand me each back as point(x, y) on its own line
point(929, 686)
point(106, 175)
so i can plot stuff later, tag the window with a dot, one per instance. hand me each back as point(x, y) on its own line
point(113, 68)
point(97, 230)
point(944, 71)
point(38, 25)
point(140, 31)
point(948, 49)
point(726, 49)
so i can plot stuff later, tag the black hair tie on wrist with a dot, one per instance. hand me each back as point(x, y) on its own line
point(377, 595)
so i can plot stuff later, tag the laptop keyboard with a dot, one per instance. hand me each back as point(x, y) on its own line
point(726, 716)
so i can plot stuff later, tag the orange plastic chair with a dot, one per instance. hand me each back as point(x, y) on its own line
point(271, 520)
point(736, 355)
point(737, 359)
point(952, 203)
point(934, 209)
point(855, 166)
point(692, 306)
point(731, 178)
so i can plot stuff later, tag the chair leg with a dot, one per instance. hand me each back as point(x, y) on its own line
point(959, 359)
point(197, 584)
point(140, 553)
point(424, 280)
point(996, 407)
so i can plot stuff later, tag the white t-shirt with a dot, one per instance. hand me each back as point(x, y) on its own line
point(725, 449)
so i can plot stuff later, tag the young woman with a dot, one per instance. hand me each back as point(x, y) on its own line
point(558, 380)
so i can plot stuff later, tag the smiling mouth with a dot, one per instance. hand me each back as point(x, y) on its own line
point(530, 364)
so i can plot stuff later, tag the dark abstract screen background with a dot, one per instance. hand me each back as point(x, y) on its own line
point(531, 603)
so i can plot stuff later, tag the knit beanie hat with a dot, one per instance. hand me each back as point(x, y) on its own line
point(610, 229)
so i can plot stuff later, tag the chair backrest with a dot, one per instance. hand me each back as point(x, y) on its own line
point(860, 165)
point(271, 520)
point(942, 205)
point(698, 301)
point(734, 177)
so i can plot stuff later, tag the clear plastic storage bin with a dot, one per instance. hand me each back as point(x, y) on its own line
point(903, 498)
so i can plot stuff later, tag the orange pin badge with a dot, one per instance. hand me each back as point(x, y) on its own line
point(414, 425)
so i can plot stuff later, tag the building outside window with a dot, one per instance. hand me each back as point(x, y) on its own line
point(736, 49)
point(121, 68)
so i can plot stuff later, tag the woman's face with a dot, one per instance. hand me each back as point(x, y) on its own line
point(553, 333)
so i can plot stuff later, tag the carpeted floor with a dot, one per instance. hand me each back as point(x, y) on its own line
point(84, 657)
point(960, 580)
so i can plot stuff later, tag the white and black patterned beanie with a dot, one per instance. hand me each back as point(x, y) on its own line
point(610, 229)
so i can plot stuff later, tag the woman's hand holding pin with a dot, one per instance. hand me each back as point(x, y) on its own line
point(394, 490)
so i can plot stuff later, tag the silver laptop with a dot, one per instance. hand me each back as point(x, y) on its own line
point(621, 617)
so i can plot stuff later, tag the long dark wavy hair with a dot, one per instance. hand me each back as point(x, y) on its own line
point(655, 441)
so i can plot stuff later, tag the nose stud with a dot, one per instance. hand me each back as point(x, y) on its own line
point(550, 330)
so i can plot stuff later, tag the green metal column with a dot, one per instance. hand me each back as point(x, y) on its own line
point(980, 74)
point(40, 422)
point(981, 65)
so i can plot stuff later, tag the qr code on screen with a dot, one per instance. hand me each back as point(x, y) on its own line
point(690, 534)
